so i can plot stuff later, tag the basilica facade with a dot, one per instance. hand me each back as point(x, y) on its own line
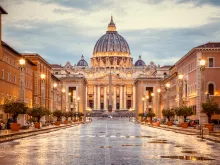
point(129, 82)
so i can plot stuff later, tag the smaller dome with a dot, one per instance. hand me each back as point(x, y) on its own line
point(139, 62)
point(82, 62)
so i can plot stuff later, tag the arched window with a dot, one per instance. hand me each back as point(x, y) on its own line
point(211, 89)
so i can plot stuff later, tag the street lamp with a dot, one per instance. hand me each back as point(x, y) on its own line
point(78, 98)
point(21, 83)
point(42, 76)
point(63, 91)
point(147, 102)
point(158, 91)
point(143, 104)
point(167, 86)
point(54, 86)
point(180, 85)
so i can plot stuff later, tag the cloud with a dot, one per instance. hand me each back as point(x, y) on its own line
point(61, 31)
point(198, 3)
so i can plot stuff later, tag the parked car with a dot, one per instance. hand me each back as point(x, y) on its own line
point(194, 122)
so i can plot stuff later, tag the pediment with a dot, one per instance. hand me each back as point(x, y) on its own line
point(106, 77)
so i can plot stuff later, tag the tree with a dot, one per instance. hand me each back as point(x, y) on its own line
point(184, 111)
point(58, 114)
point(15, 108)
point(38, 112)
point(168, 113)
point(67, 114)
point(210, 107)
point(151, 115)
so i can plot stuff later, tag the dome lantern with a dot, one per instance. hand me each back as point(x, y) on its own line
point(111, 25)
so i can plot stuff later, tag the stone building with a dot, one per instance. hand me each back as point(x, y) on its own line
point(129, 82)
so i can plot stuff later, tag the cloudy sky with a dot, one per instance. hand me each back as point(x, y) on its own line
point(62, 30)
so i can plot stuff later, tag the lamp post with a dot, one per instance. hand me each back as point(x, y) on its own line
point(54, 87)
point(143, 105)
point(63, 91)
point(42, 89)
point(147, 103)
point(21, 83)
point(74, 105)
point(202, 116)
point(158, 91)
point(167, 87)
point(69, 94)
point(78, 98)
point(180, 85)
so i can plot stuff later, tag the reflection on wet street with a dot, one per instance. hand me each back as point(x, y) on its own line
point(109, 141)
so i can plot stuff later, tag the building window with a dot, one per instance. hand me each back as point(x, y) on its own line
point(211, 89)
point(7, 76)
point(211, 62)
point(14, 79)
point(3, 74)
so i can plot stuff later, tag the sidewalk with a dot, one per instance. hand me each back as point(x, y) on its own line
point(8, 135)
point(213, 136)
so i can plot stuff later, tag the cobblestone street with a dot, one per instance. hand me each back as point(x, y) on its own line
point(109, 141)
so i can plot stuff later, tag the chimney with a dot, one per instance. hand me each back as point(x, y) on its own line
point(2, 11)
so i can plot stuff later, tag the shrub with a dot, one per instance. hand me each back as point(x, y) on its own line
point(151, 115)
point(38, 112)
point(15, 108)
point(58, 114)
point(168, 113)
point(210, 107)
point(184, 111)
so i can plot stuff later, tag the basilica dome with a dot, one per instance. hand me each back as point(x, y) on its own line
point(111, 50)
point(139, 62)
point(82, 62)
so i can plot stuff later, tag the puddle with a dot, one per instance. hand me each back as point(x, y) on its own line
point(158, 141)
point(187, 157)
point(178, 146)
point(189, 152)
point(101, 132)
point(106, 147)
point(130, 145)
point(144, 136)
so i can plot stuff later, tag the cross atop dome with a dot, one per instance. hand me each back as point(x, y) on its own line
point(111, 25)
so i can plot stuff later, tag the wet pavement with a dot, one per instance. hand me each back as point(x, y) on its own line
point(111, 142)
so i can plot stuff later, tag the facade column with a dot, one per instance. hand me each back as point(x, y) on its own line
point(105, 98)
point(98, 101)
point(134, 102)
point(125, 98)
point(121, 105)
point(95, 97)
point(114, 99)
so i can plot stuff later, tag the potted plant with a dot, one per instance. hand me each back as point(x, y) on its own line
point(80, 114)
point(150, 115)
point(184, 111)
point(168, 114)
point(58, 114)
point(142, 115)
point(210, 107)
point(66, 115)
point(38, 112)
point(15, 108)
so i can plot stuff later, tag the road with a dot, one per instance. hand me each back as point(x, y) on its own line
point(111, 142)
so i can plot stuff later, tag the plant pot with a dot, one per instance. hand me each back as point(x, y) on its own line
point(66, 122)
point(15, 126)
point(57, 123)
point(209, 126)
point(185, 125)
point(169, 123)
point(37, 125)
point(74, 120)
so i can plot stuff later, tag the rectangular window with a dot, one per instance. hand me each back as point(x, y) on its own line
point(211, 62)
point(3, 74)
point(14, 79)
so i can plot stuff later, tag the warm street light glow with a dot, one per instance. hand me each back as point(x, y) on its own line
point(78, 98)
point(42, 76)
point(158, 90)
point(22, 62)
point(147, 97)
point(55, 85)
point(152, 94)
point(180, 76)
point(69, 94)
point(202, 62)
point(63, 90)
point(74, 97)
point(143, 98)
point(167, 85)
